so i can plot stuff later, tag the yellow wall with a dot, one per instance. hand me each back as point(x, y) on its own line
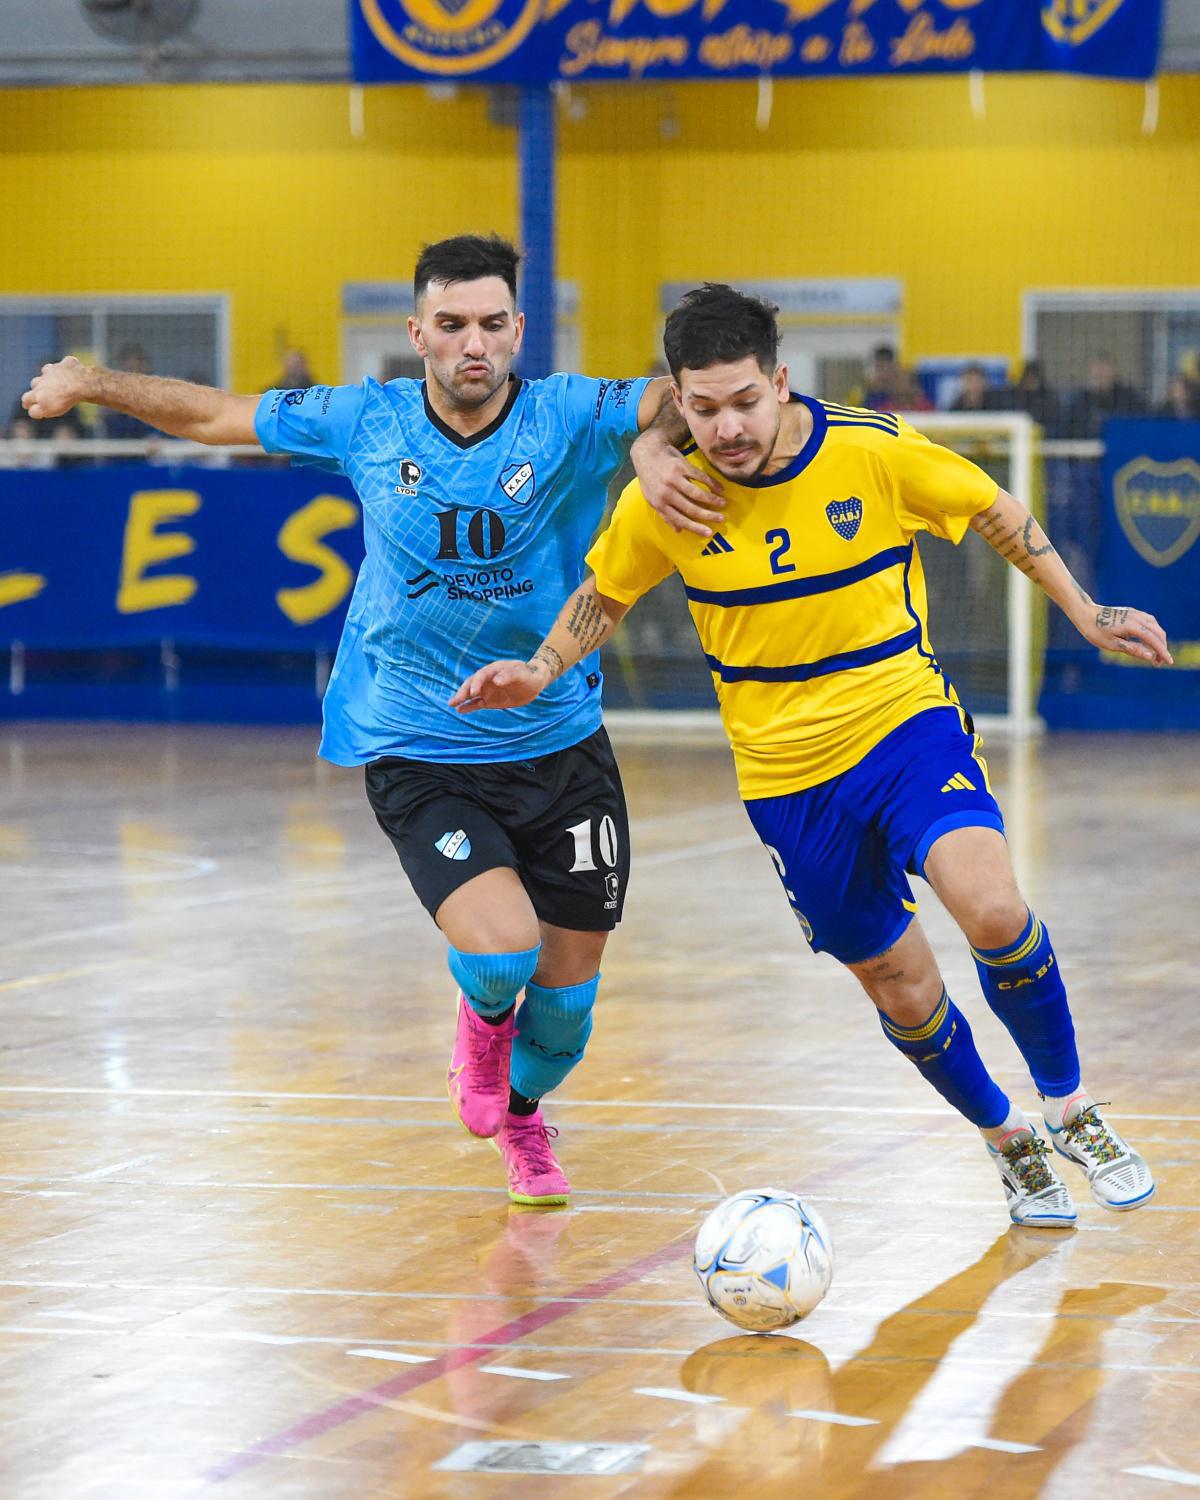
point(262, 193)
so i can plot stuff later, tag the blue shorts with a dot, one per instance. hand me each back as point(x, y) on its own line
point(844, 849)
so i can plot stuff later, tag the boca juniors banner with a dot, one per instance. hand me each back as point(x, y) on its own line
point(1150, 558)
point(534, 41)
point(256, 558)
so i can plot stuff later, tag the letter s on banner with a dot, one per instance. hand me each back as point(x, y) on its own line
point(300, 541)
point(145, 545)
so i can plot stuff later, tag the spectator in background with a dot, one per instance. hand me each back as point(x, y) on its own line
point(910, 394)
point(975, 394)
point(295, 374)
point(46, 434)
point(131, 357)
point(1033, 395)
point(882, 379)
point(1183, 399)
point(1102, 397)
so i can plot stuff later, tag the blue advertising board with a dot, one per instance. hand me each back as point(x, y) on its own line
point(245, 558)
point(536, 41)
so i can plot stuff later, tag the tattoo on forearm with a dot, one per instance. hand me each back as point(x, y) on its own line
point(1027, 538)
point(1109, 618)
point(552, 659)
point(1082, 592)
point(1015, 545)
point(587, 623)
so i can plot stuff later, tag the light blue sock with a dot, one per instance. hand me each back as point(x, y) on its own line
point(944, 1052)
point(492, 981)
point(1023, 986)
point(552, 1030)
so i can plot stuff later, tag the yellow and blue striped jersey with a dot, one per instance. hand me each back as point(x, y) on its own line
point(810, 601)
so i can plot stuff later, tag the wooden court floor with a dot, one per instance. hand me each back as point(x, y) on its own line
point(248, 1253)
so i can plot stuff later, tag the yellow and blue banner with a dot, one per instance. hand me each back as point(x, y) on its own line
point(244, 558)
point(537, 41)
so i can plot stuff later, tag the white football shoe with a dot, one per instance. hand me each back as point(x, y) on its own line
point(1037, 1196)
point(1118, 1177)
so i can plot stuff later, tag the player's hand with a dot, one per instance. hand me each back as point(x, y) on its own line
point(1130, 631)
point(56, 390)
point(685, 497)
point(501, 684)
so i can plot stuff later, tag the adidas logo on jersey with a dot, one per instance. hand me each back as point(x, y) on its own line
point(959, 783)
point(717, 547)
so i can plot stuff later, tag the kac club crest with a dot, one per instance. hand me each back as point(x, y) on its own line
point(1158, 506)
point(1074, 21)
point(517, 482)
point(450, 37)
point(845, 516)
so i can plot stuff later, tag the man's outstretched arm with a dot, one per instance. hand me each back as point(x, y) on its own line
point(199, 413)
point(687, 498)
point(586, 621)
point(1008, 527)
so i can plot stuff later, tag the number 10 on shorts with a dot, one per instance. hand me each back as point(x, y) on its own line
point(605, 845)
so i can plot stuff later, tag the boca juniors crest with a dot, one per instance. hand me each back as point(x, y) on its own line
point(450, 37)
point(1158, 507)
point(845, 516)
point(1076, 21)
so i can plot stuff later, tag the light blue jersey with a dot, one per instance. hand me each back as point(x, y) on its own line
point(472, 544)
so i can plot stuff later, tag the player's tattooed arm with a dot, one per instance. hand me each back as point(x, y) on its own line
point(585, 622)
point(547, 657)
point(1014, 533)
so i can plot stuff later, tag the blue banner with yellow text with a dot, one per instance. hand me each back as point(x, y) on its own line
point(255, 558)
point(535, 41)
point(1150, 559)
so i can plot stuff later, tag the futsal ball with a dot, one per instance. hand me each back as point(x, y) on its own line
point(764, 1259)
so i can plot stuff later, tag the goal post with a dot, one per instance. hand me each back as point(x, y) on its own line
point(986, 620)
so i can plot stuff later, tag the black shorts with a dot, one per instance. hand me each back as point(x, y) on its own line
point(558, 821)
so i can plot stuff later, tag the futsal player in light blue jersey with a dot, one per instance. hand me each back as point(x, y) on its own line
point(480, 494)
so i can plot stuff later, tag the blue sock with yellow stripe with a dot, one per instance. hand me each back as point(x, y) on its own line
point(1025, 989)
point(943, 1050)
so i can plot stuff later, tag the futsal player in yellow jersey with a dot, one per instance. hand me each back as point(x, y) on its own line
point(857, 765)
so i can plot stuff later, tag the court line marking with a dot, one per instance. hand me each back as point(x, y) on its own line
point(514, 1372)
point(345, 879)
point(1172, 1476)
point(100, 1173)
point(204, 1120)
point(668, 1393)
point(509, 1333)
point(31, 980)
point(476, 1350)
point(626, 1104)
point(840, 1418)
point(614, 1197)
point(320, 1423)
point(831, 1306)
point(999, 1445)
point(397, 1355)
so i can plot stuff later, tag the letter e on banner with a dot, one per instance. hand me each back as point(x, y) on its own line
point(145, 545)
